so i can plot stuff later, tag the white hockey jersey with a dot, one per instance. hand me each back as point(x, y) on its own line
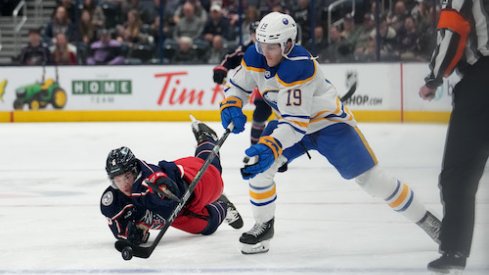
point(303, 100)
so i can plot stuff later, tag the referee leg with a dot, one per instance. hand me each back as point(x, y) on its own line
point(466, 153)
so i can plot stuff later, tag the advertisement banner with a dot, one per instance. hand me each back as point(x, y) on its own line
point(374, 92)
point(377, 85)
point(170, 87)
point(110, 88)
point(414, 74)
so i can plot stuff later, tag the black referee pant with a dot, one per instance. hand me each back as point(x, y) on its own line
point(466, 153)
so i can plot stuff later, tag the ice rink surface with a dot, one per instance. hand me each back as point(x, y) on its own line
point(52, 176)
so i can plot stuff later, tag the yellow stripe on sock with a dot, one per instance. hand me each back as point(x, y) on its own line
point(265, 195)
point(402, 197)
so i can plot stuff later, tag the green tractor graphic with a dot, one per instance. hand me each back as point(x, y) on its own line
point(40, 94)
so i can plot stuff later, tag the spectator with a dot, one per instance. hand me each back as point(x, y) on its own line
point(320, 41)
point(251, 16)
point(112, 11)
point(199, 12)
point(364, 31)
point(350, 34)
point(423, 14)
point(96, 13)
point(388, 38)
point(167, 28)
point(335, 50)
point(367, 52)
point(151, 10)
point(130, 32)
point(217, 25)
point(189, 25)
point(128, 5)
point(69, 7)
point(408, 40)
point(105, 51)
point(139, 42)
point(87, 35)
point(63, 53)
point(231, 10)
point(303, 19)
point(86, 28)
point(35, 53)
point(60, 23)
point(217, 50)
point(185, 53)
point(396, 19)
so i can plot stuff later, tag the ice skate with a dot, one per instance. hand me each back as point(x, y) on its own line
point(257, 239)
point(448, 263)
point(202, 132)
point(431, 225)
point(233, 218)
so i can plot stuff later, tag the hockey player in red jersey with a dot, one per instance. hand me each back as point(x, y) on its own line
point(132, 204)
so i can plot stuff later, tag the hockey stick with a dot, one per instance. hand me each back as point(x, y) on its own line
point(128, 250)
point(352, 82)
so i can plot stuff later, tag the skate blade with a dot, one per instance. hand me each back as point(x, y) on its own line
point(261, 247)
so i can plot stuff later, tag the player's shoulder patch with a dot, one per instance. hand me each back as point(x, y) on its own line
point(107, 198)
point(252, 60)
point(294, 72)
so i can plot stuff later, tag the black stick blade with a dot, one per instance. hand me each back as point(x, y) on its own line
point(137, 251)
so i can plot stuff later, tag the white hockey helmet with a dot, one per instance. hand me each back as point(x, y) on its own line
point(277, 27)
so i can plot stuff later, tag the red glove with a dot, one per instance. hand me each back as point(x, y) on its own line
point(163, 186)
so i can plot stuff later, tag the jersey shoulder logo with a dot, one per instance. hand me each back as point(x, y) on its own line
point(107, 198)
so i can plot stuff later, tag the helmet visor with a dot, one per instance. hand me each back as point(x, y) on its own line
point(268, 49)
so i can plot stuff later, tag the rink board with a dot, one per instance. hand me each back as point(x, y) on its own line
point(381, 93)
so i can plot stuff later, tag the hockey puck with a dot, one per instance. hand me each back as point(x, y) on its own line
point(127, 253)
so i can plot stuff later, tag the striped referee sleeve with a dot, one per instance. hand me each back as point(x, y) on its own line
point(453, 32)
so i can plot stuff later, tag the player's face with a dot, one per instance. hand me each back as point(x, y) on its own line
point(124, 182)
point(272, 53)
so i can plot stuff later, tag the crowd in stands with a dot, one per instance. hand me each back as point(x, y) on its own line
point(129, 31)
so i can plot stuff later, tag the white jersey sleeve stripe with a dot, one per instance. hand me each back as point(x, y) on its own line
point(239, 87)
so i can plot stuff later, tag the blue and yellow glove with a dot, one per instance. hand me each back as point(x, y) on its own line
point(268, 149)
point(231, 112)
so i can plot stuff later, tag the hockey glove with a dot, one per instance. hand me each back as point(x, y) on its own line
point(231, 112)
point(136, 235)
point(163, 186)
point(268, 149)
point(220, 73)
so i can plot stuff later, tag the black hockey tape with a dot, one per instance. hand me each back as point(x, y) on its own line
point(250, 160)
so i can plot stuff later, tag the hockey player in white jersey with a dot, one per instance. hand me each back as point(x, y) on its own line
point(310, 116)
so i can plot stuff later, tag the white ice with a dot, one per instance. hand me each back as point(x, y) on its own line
point(52, 176)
